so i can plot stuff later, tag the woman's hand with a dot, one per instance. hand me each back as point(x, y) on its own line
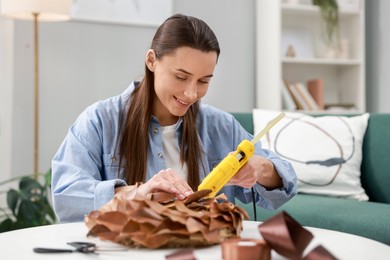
point(257, 169)
point(166, 180)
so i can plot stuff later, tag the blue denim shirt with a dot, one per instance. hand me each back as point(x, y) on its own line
point(85, 168)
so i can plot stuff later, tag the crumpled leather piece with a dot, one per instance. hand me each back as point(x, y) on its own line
point(287, 237)
point(319, 253)
point(162, 221)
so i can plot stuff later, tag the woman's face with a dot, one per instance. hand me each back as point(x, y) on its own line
point(180, 79)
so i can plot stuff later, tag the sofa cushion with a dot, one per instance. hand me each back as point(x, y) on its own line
point(376, 163)
point(367, 219)
point(326, 151)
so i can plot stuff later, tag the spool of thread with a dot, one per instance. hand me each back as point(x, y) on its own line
point(235, 249)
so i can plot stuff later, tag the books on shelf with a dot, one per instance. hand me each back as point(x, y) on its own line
point(300, 102)
point(316, 89)
point(306, 96)
point(299, 94)
point(288, 101)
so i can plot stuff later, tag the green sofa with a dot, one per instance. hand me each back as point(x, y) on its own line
point(368, 219)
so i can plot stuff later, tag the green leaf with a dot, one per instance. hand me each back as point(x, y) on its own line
point(6, 225)
point(330, 15)
point(31, 190)
point(48, 212)
point(28, 211)
point(48, 178)
point(12, 200)
point(19, 224)
point(28, 185)
point(29, 205)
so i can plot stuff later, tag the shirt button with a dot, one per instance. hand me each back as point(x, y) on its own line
point(160, 155)
point(155, 130)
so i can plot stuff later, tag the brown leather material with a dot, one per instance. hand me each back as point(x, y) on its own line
point(161, 221)
point(285, 235)
point(319, 253)
point(288, 238)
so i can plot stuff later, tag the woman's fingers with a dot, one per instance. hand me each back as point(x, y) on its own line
point(168, 181)
point(176, 181)
point(247, 176)
point(183, 188)
point(243, 180)
point(167, 187)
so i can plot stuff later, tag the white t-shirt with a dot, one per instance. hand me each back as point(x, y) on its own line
point(172, 151)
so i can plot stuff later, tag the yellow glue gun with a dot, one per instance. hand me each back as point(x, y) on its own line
point(232, 163)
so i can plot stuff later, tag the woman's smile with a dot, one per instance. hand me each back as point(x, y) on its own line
point(183, 103)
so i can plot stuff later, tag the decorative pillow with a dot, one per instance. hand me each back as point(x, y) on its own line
point(325, 151)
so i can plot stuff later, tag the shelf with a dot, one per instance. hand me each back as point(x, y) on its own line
point(301, 26)
point(321, 61)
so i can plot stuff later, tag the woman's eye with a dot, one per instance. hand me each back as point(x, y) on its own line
point(204, 81)
point(181, 78)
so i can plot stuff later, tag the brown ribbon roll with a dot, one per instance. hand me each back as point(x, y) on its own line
point(249, 249)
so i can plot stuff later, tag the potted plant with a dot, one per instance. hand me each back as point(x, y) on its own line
point(29, 205)
point(330, 15)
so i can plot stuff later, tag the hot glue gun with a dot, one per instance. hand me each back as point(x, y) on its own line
point(232, 163)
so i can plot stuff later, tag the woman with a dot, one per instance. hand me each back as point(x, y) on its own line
point(156, 136)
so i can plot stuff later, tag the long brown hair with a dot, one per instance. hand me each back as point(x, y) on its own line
point(177, 31)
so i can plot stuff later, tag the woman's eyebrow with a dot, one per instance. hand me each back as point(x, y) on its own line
point(184, 71)
point(189, 73)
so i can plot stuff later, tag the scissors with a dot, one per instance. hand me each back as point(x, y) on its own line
point(81, 247)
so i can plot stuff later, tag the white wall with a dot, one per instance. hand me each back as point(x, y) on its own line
point(81, 63)
point(6, 96)
point(377, 55)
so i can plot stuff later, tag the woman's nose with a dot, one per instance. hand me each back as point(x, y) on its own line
point(191, 91)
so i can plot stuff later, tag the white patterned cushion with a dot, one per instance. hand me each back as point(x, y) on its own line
point(325, 151)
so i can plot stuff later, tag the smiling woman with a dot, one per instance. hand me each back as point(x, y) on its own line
point(181, 79)
point(156, 136)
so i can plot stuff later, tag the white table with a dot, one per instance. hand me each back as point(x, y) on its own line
point(19, 244)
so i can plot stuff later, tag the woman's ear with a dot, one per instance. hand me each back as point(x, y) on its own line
point(150, 59)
